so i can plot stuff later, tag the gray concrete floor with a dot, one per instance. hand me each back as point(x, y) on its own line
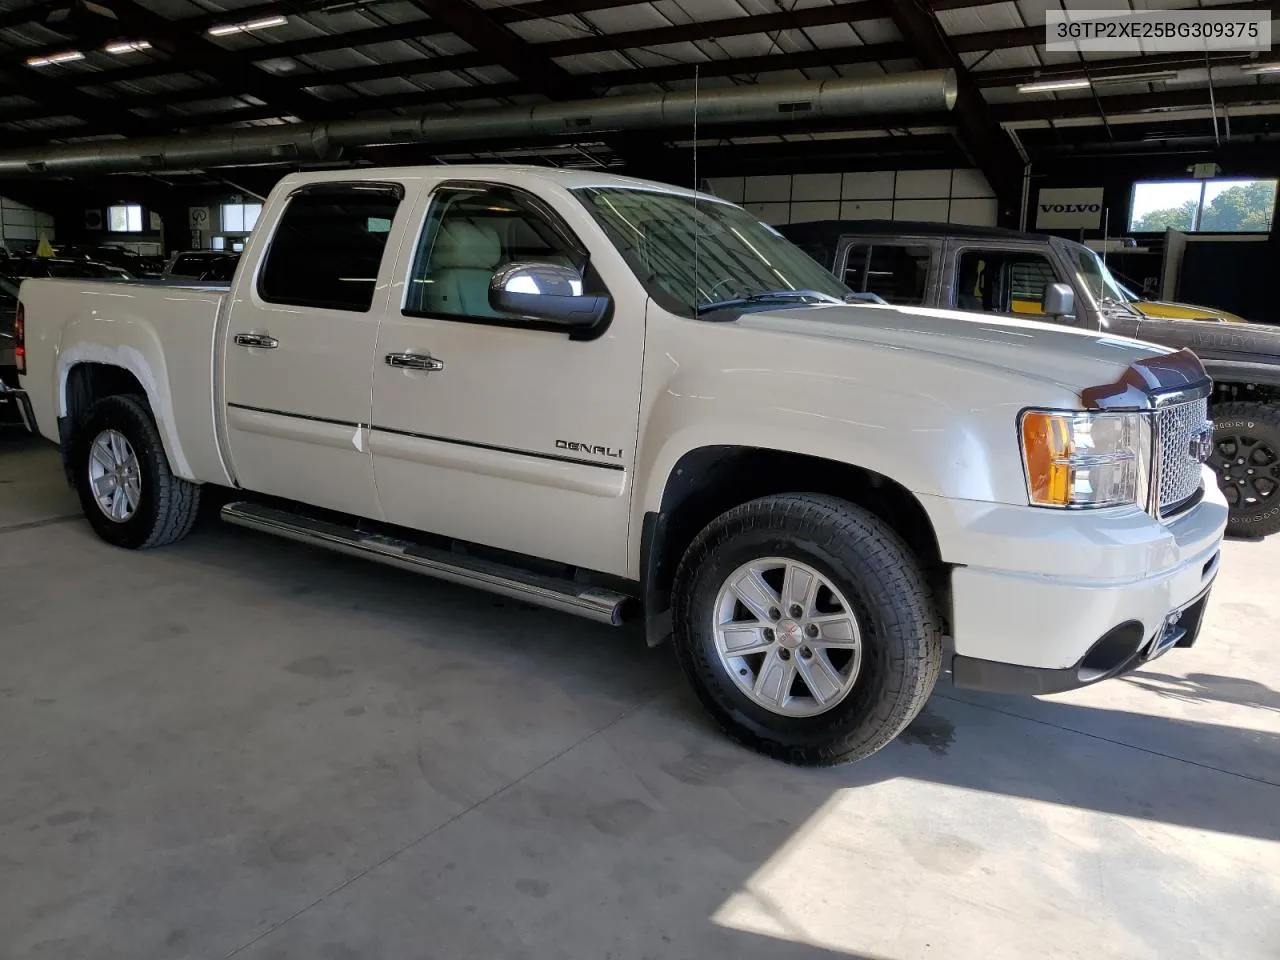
point(240, 747)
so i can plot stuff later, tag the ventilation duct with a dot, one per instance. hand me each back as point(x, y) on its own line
point(930, 91)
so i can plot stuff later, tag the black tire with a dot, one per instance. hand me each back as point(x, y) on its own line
point(1248, 431)
point(168, 505)
point(872, 567)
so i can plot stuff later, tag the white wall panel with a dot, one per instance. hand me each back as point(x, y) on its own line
point(771, 188)
point(975, 212)
point(815, 210)
point(873, 185)
point(815, 186)
point(866, 210)
point(934, 211)
point(923, 184)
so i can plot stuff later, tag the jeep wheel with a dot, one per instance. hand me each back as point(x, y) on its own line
point(127, 491)
point(807, 628)
point(1246, 459)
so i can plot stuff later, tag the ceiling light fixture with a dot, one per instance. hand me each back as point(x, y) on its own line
point(67, 57)
point(127, 46)
point(226, 29)
point(1148, 77)
point(1048, 86)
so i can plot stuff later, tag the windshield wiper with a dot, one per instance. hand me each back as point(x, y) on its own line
point(769, 296)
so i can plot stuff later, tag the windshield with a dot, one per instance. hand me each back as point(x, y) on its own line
point(735, 256)
point(1093, 273)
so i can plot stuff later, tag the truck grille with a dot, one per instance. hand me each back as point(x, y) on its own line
point(1179, 431)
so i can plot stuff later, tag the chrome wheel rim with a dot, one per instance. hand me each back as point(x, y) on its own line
point(787, 637)
point(115, 476)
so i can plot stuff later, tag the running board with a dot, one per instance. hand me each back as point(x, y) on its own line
point(567, 596)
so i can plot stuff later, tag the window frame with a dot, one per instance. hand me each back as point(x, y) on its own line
point(392, 187)
point(1197, 216)
point(1047, 252)
point(126, 207)
point(934, 245)
point(243, 204)
point(553, 218)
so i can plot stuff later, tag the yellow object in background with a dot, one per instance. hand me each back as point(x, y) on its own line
point(44, 249)
point(1164, 310)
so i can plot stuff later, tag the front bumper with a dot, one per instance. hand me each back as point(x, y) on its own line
point(15, 405)
point(1044, 600)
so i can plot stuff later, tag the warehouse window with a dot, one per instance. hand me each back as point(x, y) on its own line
point(240, 217)
point(323, 253)
point(1216, 206)
point(124, 218)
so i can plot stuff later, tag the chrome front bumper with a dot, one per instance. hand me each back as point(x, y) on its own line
point(14, 401)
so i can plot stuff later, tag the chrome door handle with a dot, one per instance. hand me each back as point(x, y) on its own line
point(260, 340)
point(414, 361)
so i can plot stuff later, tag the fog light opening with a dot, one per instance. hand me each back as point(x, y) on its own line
point(1116, 648)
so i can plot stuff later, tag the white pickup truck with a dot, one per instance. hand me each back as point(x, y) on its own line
point(617, 398)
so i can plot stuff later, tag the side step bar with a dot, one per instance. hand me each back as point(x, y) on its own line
point(567, 596)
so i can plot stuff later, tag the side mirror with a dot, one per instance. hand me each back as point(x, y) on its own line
point(1059, 300)
point(545, 291)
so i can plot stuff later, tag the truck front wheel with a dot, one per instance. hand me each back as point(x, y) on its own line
point(127, 491)
point(1246, 459)
point(807, 628)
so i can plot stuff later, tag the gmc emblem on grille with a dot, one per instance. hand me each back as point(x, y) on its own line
point(1201, 445)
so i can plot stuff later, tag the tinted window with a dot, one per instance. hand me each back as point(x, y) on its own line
point(999, 281)
point(323, 253)
point(897, 272)
point(470, 233)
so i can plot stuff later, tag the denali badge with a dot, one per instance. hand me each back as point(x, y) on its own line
point(1201, 445)
point(589, 448)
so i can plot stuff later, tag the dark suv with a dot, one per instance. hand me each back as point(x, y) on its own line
point(1039, 277)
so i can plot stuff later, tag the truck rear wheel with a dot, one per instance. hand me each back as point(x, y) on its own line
point(1246, 459)
point(806, 627)
point(127, 491)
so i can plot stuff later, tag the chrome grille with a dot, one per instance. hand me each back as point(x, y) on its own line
point(1177, 426)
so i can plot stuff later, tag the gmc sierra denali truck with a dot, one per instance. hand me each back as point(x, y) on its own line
point(617, 398)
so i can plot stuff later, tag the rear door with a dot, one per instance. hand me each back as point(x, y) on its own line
point(299, 346)
point(902, 272)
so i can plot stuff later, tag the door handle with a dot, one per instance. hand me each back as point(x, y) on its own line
point(262, 341)
point(414, 361)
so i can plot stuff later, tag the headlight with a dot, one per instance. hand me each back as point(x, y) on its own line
point(1086, 459)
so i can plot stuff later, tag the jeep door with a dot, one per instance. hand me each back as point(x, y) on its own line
point(902, 270)
point(1009, 277)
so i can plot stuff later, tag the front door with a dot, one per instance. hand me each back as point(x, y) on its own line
point(1010, 279)
point(492, 428)
point(299, 347)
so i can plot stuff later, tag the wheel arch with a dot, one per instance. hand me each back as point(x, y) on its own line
point(88, 373)
point(707, 481)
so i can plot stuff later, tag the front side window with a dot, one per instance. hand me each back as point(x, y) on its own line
point(897, 272)
point(323, 253)
point(692, 255)
point(470, 233)
point(1003, 281)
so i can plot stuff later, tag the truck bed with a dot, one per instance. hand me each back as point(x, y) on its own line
point(164, 334)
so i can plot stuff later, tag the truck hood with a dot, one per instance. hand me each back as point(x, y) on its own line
point(1069, 359)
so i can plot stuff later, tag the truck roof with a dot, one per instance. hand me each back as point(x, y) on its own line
point(501, 172)
point(913, 228)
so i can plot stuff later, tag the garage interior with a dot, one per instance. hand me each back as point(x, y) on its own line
point(242, 747)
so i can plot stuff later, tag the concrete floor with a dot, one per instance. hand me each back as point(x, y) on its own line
point(240, 747)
